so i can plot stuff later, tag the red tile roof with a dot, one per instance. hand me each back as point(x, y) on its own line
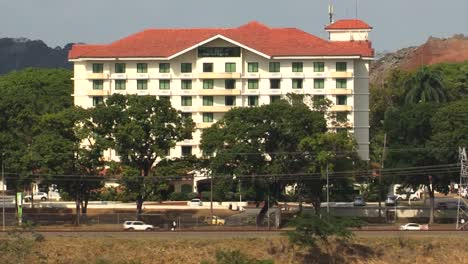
point(348, 24)
point(269, 41)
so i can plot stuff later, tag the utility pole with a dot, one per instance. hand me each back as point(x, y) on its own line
point(3, 192)
point(380, 174)
point(462, 212)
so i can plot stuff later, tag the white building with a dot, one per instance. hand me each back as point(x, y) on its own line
point(207, 71)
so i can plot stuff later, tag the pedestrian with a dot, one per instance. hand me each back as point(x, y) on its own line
point(174, 225)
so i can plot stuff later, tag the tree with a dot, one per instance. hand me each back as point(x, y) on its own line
point(425, 85)
point(27, 95)
point(141, 129)
point(261, 145)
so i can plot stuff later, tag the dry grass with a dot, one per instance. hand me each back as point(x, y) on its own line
point(360, 250)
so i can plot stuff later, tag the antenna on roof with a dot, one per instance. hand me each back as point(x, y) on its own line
point(356, 9)
point(330, 12)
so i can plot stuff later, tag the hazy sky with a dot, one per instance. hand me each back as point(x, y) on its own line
point(397, 23)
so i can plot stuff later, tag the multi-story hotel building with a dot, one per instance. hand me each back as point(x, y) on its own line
point(204, 72)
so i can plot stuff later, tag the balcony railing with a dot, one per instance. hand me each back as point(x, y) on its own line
point(340, 91)
point(341, 74)
point(97, 92)
point(340, 108)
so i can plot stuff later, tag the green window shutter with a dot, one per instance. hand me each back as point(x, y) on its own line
point(208, 117)
point(297, 83)
point(319, 83)
point(252, 84)
point(142, 84)
point(186, 100)
point(164, 84)
point(142, 67)
point(341, 83)
point(120, 84)
point(208, 100)
point(120, 68)
point(341, 66)
point(186, 84)
point(252, 67)
point(164, 67)
point(98, 68)
point(98, 84)
point(319, 67)
point(274, 67)
point(230, 67)
point(297, 67)
point(208, 84)
point(186, 67)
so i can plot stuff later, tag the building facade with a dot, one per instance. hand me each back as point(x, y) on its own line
point(207, 72)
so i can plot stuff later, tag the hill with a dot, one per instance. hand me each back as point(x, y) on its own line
point(435, 50)
point(20, 53)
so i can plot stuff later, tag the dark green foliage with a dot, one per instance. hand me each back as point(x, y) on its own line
point(236, 257)
point(425, 85)
point(312, 230)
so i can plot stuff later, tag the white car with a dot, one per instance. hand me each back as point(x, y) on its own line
point(37, 196)
point(195, 202)
point(414, 226)
point(137, 225)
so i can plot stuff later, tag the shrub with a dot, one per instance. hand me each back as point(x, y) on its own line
point(178, 196)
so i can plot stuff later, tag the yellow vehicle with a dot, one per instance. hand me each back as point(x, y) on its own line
point(215, 221)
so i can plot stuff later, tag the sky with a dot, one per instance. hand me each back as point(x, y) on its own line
point(396, 23)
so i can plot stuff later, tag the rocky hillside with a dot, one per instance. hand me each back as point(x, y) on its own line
point(435, 50)
point(16, 54)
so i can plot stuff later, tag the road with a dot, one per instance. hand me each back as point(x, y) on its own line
point(237, 234)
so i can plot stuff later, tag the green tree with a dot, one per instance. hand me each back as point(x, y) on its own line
point(425, 85)
point(27, 95)
point(262, 144)
point(141, 129)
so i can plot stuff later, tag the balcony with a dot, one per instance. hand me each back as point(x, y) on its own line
point(203, 125)
point(219, 75)
point(218, 92)
point(118, 76)
point(97, 76)
point(216, 109)
point(97, 92)
point(340, 91)
point(341, 74)
point(341, 108)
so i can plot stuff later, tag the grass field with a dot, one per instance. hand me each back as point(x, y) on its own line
point(24, 248)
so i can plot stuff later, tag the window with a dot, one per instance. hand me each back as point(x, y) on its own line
point(341, 99)
point(207, 100)
point(98, 68)
point(297, 83)
point(186, 151)
point(319, 67)
point(252, 67)
point(207, 117)
point(253, 100)
point(208, 84)
point(274, 67)
point(187, 115)
point(275, 83)
point(186, 67)
point(165, 98)
point(297, 66)
point(252, 84)
point(164, 84)
point(275, 98)
point(341, 66)
point(98, 84)
point(97, 100)
point(230, 100)
point(342, 130)
point(186, 84)
point(142, 67)
point(230, 67)
point(342, 116)
point(341, 83)
point(207, 67)
point(186, 101)
point(218, 52)
point(230, 84)
point(164, 67)
point(120, 84)
point(319, 83)
point(120, 68)
point(142, 84)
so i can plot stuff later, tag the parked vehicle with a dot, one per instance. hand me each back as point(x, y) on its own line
point(414, 227)
point(408, 196)
point(359, 201)
point(391, 200)
point(215, 221)
point(195, 202)
point(137, 225)
point(37, 196)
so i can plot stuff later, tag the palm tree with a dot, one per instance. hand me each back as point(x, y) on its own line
point(425, 85)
